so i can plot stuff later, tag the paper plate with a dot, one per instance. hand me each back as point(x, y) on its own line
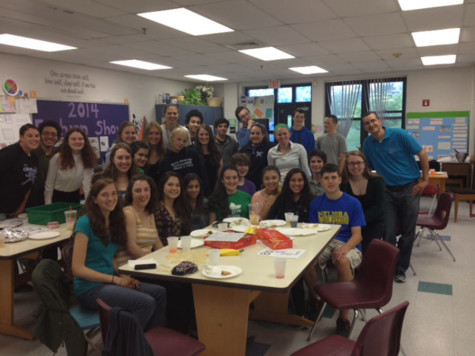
point(271, 223)
point(43, 235)
point(296, 231)
point(239, 228)
point(317, 227)
point(237, 221)
point(201, 233)
point(215, 271)
point(194, 243)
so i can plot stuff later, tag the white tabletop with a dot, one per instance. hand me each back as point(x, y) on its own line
point(257, 271)
point(9, 250)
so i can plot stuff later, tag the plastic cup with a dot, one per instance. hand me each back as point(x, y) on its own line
point(432, 172)
point(185, 243)
point(70, 216)
point(2, 239)
point(214, 256)
point(288, 216)
point(279, 267)
point(294, 220)
point(254, 213)
point(222, 226)
point(172, 243)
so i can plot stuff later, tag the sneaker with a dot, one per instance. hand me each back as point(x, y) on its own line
point(343, 327)
point(400, 277)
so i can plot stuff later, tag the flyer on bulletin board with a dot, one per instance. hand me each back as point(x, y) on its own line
point(440, 133)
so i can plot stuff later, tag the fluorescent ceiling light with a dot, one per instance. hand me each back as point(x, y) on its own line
point(309, 70)
point(31, 43)
point(407, 5)
point(186, 21)
point(437, 37)
point(135, 63)
point(434, 60)
point(267, 53)
point(205, 77)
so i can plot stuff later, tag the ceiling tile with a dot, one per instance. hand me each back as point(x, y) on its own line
point(350, 8)
point(345, 46)
point(389, 41)
point(278, 35)
point(325, 30)
point(385, 23)
point(280, 9)
point(433, 19)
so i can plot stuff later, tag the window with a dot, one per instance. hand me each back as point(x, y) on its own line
point(287, 99)
point(349, 100)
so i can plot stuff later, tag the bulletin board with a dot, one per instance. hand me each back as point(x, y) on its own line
point(99, 121)
point(260, 107)
point(440, 133)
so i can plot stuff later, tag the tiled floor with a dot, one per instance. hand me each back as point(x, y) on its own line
point(440, 319)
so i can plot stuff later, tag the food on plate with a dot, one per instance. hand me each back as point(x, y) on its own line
point(225, 273)
point(310, 226)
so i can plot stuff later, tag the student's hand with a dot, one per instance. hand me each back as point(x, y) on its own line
point(419, 187)
point(128, 282)
point(250, 123)
point(340, 253)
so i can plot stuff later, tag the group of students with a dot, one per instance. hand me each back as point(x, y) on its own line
point(163, 186)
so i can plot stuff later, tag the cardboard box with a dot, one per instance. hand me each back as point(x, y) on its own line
point(246, 240)
point(274, 239)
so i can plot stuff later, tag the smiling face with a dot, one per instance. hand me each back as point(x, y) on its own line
point(122, 160)
point(49, 137)
point(271, 181)
point(243, 169)
point(129, 135)
point(373, 125)
point(331, 182)
point(141, 193)
point(76, 142)
point(154, 136)
point(194, 125)
point(230, 180)
point(193, 189)
point(355, 165)
point(141, 157)
point(257, 136)
point(106, 200)
point(179, 142)
point(244, 117)
point(283, 136)
point(316, 164)
point(172, 115)
point(296, 183)
point(299, 119)
point(30, 140)
point(172, 188)
point(203, 136)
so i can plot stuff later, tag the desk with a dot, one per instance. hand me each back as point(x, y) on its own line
point(439, 179)
point(457, 170)
point(8, 254)
point(222, 305)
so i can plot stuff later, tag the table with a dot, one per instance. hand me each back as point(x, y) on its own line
point(459, 171)
point(439, 179)
point(222, 305)
point(8, 254)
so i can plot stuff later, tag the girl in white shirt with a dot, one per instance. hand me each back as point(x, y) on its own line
point(70, 168)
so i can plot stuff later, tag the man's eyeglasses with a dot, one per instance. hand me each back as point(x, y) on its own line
point(51, 134)
point(354, 164)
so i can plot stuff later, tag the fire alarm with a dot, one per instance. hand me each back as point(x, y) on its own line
point(425, 102)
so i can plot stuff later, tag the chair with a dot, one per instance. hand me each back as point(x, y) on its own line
point(381, 336)
point(438, 221)
point(431, 190)
point(371, 288)
point(57, 323)
point(163, 341)
point(463, 194)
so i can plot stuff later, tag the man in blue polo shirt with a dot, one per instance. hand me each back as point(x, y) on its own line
point(337, 207)
point(391, 152)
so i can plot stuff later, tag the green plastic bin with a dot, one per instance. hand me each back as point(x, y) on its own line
point(42, 215)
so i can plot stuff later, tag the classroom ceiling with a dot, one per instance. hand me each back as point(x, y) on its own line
point(345, 37)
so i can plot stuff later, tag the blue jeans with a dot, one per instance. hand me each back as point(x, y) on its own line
point(147, 303)
point(400, 218)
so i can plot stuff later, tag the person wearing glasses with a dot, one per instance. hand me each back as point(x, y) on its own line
point(243, 135)
point(50, 133)
point(368, 188)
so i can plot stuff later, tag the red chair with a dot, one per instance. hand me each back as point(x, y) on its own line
point(381, 336)
point(163, 341)
point(372, 288)
point(438, 221)
point(431, 190)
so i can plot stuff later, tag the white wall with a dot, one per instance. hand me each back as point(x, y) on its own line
point(104, 85)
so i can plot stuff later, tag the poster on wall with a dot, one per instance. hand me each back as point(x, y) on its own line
point(261, 107)
point(10, 127)
point(440, 133)
point(99, 121)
